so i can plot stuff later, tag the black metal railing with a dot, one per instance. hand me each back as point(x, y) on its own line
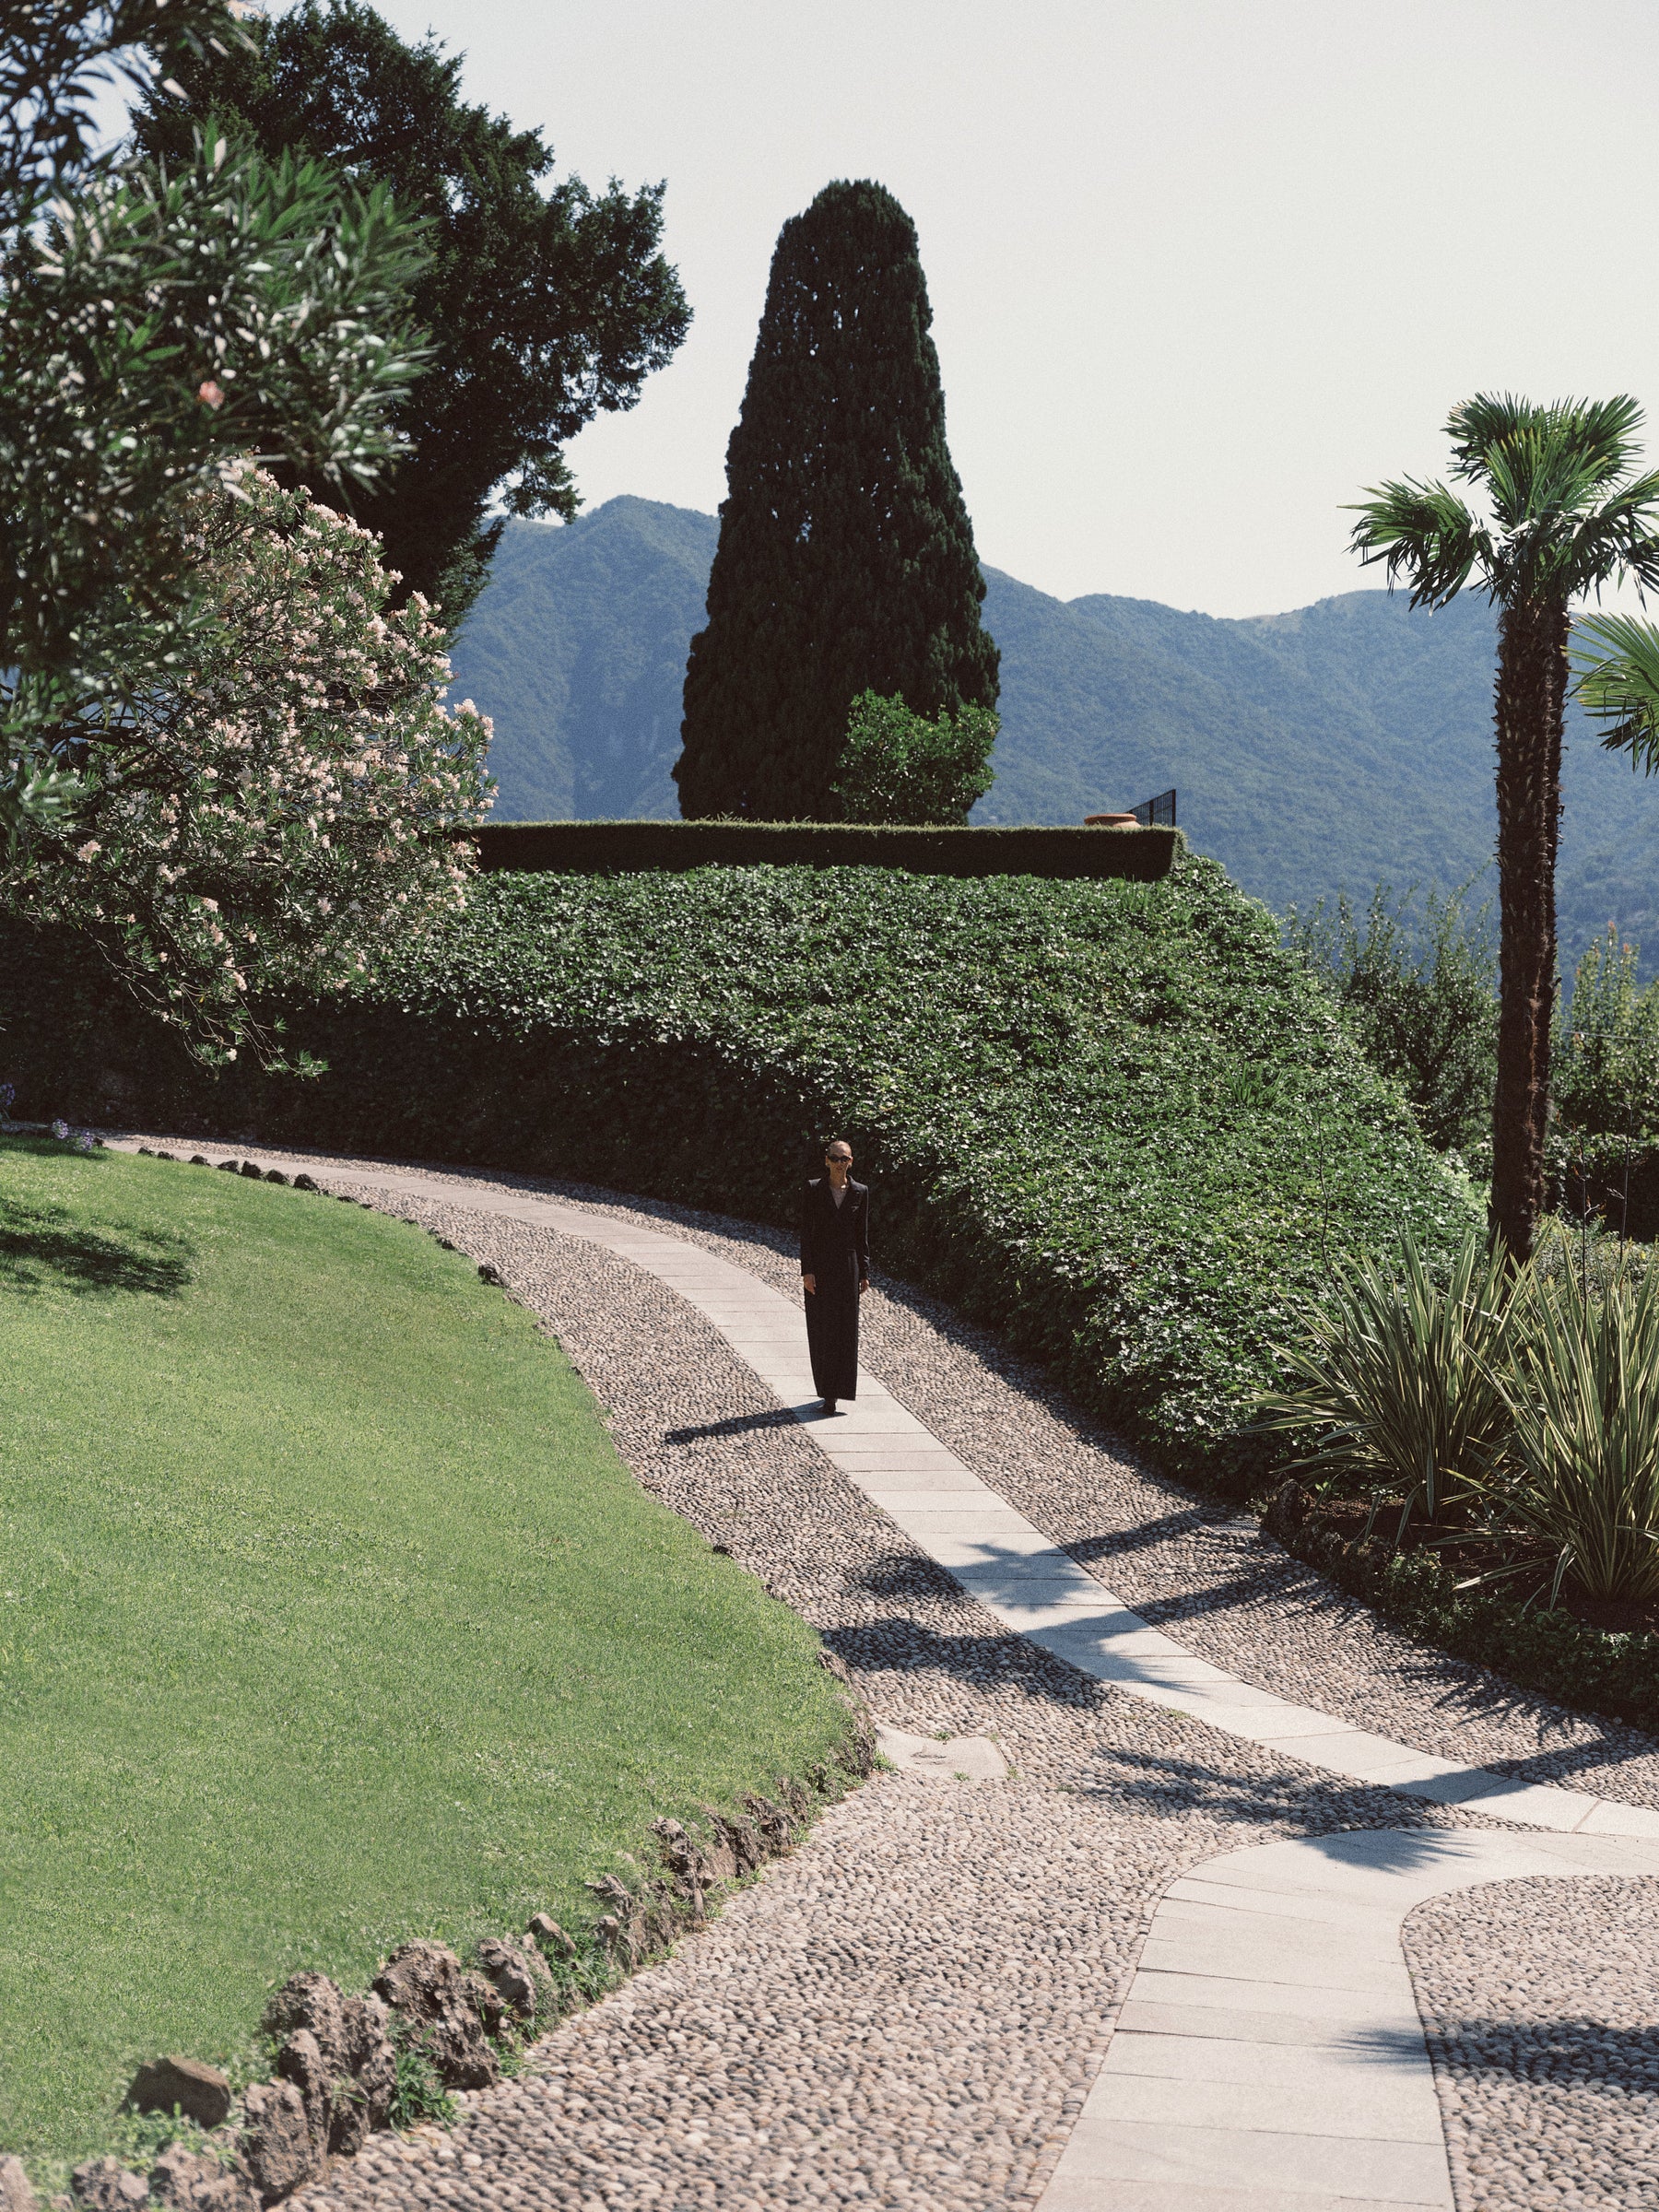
point(1158, 812)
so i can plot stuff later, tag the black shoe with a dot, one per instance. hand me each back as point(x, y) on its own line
point(830, 1405)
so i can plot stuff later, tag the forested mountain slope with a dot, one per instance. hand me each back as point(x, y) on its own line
point(577, 647)
point(1343, 744)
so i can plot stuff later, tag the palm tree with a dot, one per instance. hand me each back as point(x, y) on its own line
point(1563, 515)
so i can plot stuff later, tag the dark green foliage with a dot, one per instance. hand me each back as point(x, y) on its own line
point(847, 559)
point(1604, 1143)
point(1606, 1077)
point(1420, 994)
point(899, 766)
point(1346, 743)
point(627, 848)
point(152, 330)
point(1116, 1122)
point(1591, 1669)
point(546, 306)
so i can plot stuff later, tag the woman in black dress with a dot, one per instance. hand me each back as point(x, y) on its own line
point(835, 1271)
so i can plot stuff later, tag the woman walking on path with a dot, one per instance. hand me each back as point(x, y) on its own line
point(835, 1271)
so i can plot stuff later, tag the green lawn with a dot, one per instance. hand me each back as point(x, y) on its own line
point(328, 1617)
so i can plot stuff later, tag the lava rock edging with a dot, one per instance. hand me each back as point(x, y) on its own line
point(341, 2060)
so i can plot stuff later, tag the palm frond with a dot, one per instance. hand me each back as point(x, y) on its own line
point(1599, 432)
point(1422, 533)
point(1616, 675)
point(1477, 427)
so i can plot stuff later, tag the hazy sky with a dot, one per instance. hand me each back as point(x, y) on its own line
point(1199, 271)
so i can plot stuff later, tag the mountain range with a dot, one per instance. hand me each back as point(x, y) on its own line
point(1346, 743)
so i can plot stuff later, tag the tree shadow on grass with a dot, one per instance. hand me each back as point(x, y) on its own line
point(46, 1248)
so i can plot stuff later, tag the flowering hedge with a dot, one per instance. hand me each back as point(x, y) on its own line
point(289, 796)
point(1116, 1121)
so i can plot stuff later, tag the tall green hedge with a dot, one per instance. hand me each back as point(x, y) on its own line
point(1115, 1120)
point(627, 848)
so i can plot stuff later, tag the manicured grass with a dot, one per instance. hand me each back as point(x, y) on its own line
point(328, 1617)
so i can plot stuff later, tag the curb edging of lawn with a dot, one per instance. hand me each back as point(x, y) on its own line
point(259, 2157)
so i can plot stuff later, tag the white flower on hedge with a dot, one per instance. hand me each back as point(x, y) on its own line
point(308, 769)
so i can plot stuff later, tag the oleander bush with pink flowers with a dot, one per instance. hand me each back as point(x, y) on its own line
point(287, 799)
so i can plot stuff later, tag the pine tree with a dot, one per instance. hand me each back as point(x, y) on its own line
point(847, 559)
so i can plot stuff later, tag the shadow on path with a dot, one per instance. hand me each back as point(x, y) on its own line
point(736, 1424)
point(1580, 2052)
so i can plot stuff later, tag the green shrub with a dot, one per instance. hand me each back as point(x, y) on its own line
point(1398, 1377)
point(1419, 992)
point(1605, 1075)
point(1115, 1120)
point(636, 847)
point(1610, 1672)
point(1421, 997)
point(898, 766)
point(1603, 1149)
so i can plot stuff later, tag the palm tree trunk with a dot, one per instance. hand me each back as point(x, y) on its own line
point(1531, 700)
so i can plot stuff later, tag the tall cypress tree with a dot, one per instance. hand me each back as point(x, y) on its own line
point(847, 559)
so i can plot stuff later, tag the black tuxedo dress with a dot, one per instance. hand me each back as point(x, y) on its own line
point(835, 1250)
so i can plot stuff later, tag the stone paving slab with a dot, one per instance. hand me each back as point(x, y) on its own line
point(1310, 2098)
point(1186, 2103)
point(956, 1758)
point(1182, 2196)
point(1108, 2153)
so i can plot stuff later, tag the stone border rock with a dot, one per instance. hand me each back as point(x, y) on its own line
point(337, 2063)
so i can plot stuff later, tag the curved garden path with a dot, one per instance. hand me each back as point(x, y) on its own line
point(1183, 1871)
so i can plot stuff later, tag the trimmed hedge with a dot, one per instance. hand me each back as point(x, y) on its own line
point(624, 848)
point(1598, 1669)
point(1115, 1120)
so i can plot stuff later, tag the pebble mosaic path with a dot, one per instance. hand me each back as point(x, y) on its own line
point(1240, 2032)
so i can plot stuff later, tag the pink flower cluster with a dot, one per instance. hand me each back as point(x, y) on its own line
point(266, 819)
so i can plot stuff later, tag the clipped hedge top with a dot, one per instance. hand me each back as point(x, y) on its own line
point(1116, 1120)
point(620, 848)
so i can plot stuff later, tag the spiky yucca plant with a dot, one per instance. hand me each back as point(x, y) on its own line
point(1395, 1383)
point(1577, 1492)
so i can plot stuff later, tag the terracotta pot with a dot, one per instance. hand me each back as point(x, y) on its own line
point(1111, 821)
